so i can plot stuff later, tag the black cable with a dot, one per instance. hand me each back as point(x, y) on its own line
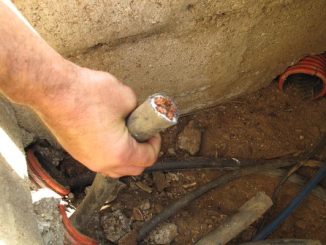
point(292, 206)
point(198, 162)
point(184, 201)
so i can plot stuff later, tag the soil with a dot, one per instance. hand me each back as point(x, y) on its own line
point(267, 124)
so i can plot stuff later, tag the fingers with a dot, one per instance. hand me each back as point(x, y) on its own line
point(125, 171)
point(136, 158)
point(145, 154)
point(128, 100)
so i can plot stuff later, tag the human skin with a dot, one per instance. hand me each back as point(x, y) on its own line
point(84, 109)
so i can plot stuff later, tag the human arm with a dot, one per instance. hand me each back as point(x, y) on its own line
point(84, 109)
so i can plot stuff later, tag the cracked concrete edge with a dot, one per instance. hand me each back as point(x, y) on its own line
point(30, 125)
point(18, 225)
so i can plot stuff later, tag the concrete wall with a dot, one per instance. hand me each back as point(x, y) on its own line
point(200, 52)
point(17, 221)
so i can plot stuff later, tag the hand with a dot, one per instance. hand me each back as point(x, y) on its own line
point(84, 109)
point(88, 119)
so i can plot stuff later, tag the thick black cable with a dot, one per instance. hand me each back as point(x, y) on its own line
point(184, 201)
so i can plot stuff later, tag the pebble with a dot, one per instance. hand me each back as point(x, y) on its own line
point(115, 225)
point(144, 187)
point(164, 234)
point(145, 205)
point(71, 196)
point(160, 181)
point(187, 186)
point(171, 151)
point(172, 177)
point(137, 214)
point(190, 139)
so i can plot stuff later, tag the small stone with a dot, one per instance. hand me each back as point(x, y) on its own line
point(172, 177)
point(301, 137)
point(187, 186)
point(115, 225)
point(137, 214)
point(190, 139)
point(71, 196)
point(145, 205)
point(164, 234)
point(160, 181)
point(171, 152)
point(144, 187)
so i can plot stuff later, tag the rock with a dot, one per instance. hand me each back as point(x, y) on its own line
point(172, 177)
point(143, 186)
point(171, 152)
point(145, 205)
point(71, 196)
point(160, 181)
point(129, 239)
point(164, 234)
point(115, 225)
point(190, 185)
point(137, 214)
point(49, 221)
point(190, 139)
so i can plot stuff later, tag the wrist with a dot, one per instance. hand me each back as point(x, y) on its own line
point(53, 85)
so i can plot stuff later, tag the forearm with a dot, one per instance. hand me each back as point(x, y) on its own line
point(83, 108)
point(28, 66)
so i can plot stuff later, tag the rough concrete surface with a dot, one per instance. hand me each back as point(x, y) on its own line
point(200, 52)
point(17, 222)
point(49, 221)
point(30, 125)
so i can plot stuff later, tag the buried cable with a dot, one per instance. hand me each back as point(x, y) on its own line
point(184, 201)
point(292, 206)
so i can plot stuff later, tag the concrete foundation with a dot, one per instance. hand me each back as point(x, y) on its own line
point(17, 221)
point(199, 52)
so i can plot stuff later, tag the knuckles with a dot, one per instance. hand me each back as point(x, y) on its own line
point(131, 98)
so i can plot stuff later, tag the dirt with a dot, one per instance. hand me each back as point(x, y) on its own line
point(267, 124)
